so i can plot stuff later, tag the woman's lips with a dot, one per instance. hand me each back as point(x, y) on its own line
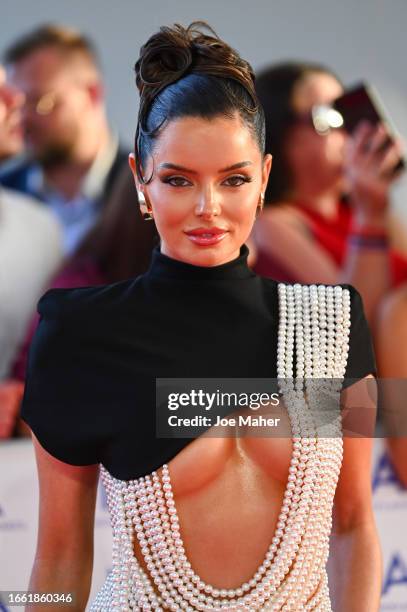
point(206, 238)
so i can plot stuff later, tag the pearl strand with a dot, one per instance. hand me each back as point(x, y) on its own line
point(302, 310)
point(298, 544)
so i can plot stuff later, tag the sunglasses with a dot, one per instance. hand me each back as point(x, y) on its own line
point(322, 118)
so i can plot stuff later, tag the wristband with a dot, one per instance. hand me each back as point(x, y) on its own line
point(371, 241)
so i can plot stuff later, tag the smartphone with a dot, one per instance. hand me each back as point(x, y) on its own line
point(358, 103)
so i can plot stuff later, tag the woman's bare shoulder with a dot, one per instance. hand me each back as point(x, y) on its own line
point(285, 213)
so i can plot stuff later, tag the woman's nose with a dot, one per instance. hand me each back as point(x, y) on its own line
point(208, 204)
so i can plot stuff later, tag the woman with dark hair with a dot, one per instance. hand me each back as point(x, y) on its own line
point(201, 522)
point(309, 231)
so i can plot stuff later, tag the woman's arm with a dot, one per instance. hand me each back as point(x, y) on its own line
point(282, 234)
point(391, 343)
point(64, 556)
point(355, 561)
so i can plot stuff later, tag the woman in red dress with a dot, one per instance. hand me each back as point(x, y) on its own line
point(310, 232)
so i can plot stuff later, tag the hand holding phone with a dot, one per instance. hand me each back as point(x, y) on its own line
point(369, 170)
point(359, 104)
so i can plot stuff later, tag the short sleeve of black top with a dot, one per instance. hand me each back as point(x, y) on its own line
point(361, 357)
point(90, 387)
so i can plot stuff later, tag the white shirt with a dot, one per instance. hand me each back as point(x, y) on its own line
point(31, 241)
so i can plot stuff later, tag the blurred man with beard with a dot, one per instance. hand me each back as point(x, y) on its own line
point(71, 155)
point(30, 253)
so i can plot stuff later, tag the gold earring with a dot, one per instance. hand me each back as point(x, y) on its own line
point(145, 206)
point(260, 205)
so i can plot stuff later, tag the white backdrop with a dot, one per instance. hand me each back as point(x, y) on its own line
point(18, 524)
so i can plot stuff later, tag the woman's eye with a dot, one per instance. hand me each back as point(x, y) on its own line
point(177, 181)
point(237, 180)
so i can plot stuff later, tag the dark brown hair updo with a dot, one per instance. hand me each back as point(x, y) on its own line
point(184, 72)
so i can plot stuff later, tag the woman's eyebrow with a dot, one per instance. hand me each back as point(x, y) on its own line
point(170, 166)
point(242, 164)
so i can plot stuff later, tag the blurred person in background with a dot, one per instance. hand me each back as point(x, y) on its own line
point(309, 232)
point(117, 248)
point(30, 252)
point(72, 157)
point(73, 163)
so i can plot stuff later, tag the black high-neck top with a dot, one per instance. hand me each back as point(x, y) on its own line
point(90, 389)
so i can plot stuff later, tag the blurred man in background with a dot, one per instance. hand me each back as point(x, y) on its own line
point(30, 252)
point(71, 155)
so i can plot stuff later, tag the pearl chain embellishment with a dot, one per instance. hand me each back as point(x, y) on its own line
point(314, 324)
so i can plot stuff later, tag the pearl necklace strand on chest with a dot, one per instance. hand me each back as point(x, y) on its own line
point(314, 322)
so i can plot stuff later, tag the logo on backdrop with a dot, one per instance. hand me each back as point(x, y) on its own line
point(8, 524)
point(396, 573)
point(3, 608)
point(384, 474)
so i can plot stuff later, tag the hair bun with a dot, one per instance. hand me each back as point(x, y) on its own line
point(175, 51)
point(164, 59)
